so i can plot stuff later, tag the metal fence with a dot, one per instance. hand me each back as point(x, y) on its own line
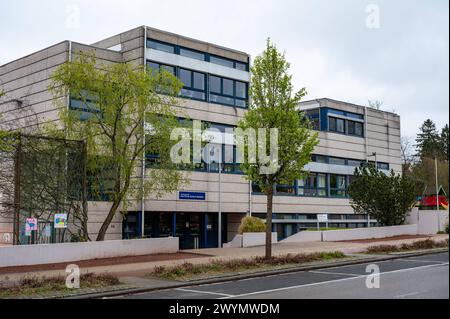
point(41, 179)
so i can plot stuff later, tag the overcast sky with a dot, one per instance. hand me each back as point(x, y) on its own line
point(337, 49)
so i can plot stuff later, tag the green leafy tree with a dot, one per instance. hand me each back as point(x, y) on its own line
point(274, 104)
point(119, 101)
point(428, 140)
point(386, 197)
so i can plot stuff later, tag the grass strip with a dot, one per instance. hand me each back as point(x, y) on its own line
point(417, 245)
point(40, 287)
point(188, 270)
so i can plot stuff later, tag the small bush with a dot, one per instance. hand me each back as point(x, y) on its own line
point(417, 245)
point(251, 224)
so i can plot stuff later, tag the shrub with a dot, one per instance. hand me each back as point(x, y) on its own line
point(251, 224)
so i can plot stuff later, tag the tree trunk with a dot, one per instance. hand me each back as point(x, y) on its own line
point(108, 220)
point(269, 195)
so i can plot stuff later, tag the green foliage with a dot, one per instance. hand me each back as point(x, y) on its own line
point(274, 104)
point(428, 141)
point(251, 224)
point(118, 98)
point(386, 197)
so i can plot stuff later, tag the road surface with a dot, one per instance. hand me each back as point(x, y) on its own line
point(415, 277)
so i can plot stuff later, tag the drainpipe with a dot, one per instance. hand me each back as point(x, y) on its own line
point(143, 141)
point(366, 148)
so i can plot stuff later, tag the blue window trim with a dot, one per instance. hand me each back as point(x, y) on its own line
point(148, 41)
point(205, 84)
point(206, 54)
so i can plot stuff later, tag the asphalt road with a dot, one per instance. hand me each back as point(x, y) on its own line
point(415, 277)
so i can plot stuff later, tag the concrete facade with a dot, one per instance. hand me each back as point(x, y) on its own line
point(27, 103)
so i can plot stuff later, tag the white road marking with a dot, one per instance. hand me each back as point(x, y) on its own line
point(204, 292)
point(334, 273)
point(407, 295)
point(426, 261)
point(330, 281)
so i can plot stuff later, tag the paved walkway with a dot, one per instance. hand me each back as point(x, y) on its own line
point(132, 270)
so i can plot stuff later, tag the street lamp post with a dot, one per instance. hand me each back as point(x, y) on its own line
point(376, 167)
point(437, 193)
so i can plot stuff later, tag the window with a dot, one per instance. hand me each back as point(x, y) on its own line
point(337, 185)
point(194, 84)
point(319, 159)
point(160, 46)
point(192, 54)
point(285, 190)
point(221, 61)
point(384, 166)
point(156, 67)
point(313, 185)
point(336, 161)
point(241, 66)
point(355, 128)
point(354, 163)
point(336, 125)
point(226, 91)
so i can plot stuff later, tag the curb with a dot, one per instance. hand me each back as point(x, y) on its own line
point(374, 258)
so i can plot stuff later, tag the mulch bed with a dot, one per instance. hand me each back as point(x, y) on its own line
point(374, 240)
point(101, 262)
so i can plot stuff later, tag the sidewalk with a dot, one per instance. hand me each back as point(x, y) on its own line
point(133, 273)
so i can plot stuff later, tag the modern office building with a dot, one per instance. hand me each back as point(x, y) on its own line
point(215, 90)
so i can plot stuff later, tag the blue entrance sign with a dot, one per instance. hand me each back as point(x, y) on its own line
point(192, 195)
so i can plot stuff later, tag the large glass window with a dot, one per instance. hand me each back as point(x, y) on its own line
point(160, 46)
point(336, 125)
point(355, 128)
point(221, 61)
point(192, 54)
point(313, 185)
point(336, 160)
point(194, 84)
point(337, 185)
point(227, 91)
point(156, 67)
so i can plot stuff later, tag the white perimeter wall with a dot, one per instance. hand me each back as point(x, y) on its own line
point(69, 252)
point(351, 234)
point(428, 220)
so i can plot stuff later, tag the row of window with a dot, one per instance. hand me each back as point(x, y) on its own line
point(306, 217)
point(344, 161)
point(322, 121)
point(207, 87)
point(194, 54)
point(315, 185)
point(343, 126)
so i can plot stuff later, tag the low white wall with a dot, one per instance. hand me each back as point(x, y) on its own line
point(257, 239)
point(351, 234)
point(428, 220)
point(368, 233)
point(236, 242)
point(68, 252)
point(303, 236)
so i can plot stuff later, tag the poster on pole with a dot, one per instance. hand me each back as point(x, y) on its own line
point(30, 225)
point(60, 221)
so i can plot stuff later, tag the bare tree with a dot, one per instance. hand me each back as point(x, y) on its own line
point(375, 104)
